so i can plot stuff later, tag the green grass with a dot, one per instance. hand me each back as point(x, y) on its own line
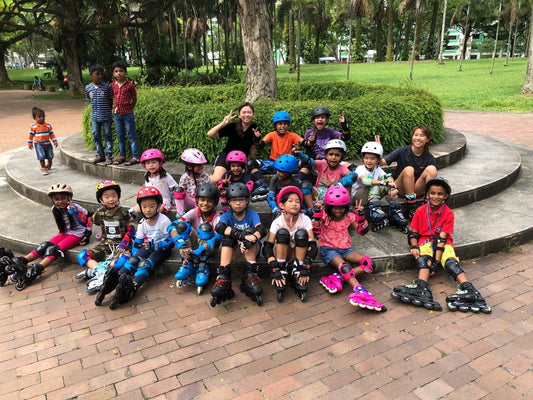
point(471, 89)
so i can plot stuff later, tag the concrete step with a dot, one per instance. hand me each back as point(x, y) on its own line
point(490, 225)
point(472, 177)
point(78, 157)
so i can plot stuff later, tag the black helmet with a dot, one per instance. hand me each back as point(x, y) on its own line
point(237, 189)
point(208, 190)
point(320, 110)
point(439, 181)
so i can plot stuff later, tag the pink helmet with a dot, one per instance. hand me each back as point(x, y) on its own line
point(289, 189)
point(337, 196)
point(193, 156)
point(236, 156)
point(152, 154)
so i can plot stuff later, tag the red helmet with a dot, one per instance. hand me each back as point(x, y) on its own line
point(152, 154)
point(337, 196)
point(106, 185)
point(147, 192)
point(289, 189)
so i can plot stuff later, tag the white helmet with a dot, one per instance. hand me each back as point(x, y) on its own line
point(372, 148)
point(335, 144)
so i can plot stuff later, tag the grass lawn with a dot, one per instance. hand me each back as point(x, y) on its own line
point(471, 89)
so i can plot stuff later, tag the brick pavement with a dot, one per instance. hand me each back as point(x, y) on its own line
point(169, 344)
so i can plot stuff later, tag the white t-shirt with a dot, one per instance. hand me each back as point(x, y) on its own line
point(155, 232)
point(377, 173)
point(163, 184)
point(303, 222)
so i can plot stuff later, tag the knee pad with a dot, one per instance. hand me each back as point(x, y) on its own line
point(253, 164)
point(347, 272)
point(83, 256)
point(424, 262)
point(42, 247)
point(301, 238)
point(121, 261)
point(367, 264)
point(179, 193)
point(228, 241)
point(131, 264)
point(53, 251)
point(283, 236)
point(453, 268)
point(307, 188)
point(146, 267)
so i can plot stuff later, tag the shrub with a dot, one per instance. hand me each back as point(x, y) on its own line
point(175, 118)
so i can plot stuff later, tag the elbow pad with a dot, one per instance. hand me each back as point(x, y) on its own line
point(366, 180)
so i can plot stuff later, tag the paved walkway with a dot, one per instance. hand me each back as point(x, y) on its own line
point(169, 344)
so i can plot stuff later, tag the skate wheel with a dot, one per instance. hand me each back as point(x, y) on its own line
point(259, 300)
point(417, 302)
point(463, 308)
point(20, 286)
point(280, 297)
point(383, 308)
point(452, 307)
point(178, 283)
point(302, 296)
point(394, 295)
point(475, 310)
point(213, 302)
point(429, 306)
point(486, 309)
point(199, 290)
point(405, 299)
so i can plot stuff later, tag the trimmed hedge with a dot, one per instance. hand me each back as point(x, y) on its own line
point(175, 118)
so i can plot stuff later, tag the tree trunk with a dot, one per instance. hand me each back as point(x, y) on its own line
point(358, 55)
point(405, 50)
point(257, 43)
point(528, 84)
point(4, 77)
point(379, 40)
point(429, 52)
point(390, 30)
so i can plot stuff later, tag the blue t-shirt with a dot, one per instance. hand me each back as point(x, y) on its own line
point(100, 101)
point(250, 220)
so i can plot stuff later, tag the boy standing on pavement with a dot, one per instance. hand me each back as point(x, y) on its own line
point(124, 98)
point(99, 94)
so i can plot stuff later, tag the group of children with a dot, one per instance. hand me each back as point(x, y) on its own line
point(312, 212)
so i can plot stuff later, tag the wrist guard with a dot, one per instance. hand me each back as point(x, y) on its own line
point(362, 223)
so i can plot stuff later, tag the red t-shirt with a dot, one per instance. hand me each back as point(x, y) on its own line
point(441, 220)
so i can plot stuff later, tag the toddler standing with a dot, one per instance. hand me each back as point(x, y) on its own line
point(41, 137)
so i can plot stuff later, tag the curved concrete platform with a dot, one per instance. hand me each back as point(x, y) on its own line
point(482, 227)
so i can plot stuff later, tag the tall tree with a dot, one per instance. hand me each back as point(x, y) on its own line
point(391, 15)
point(257, 42)
point(360, 9)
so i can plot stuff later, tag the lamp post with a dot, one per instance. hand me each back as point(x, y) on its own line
point(134, 9)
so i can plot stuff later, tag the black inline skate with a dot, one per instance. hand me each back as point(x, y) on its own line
point(466, 299)
point(279, 273)
point(251, 283)
point(6, 259)
point(22, 274)
point(298, 271)
point(418, 294)
point(110, 282)
point(378, 218)
point(124, 292)
point(221, 290)
point(397, 218)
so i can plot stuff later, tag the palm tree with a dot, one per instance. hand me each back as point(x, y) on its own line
point(360, 9)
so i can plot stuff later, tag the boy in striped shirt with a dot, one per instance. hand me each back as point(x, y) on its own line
point(41, 137)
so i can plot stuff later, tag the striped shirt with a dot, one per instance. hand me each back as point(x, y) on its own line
point(100, 101)
point(41, 134)
point(124, 97)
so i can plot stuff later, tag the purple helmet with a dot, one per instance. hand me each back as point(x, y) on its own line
point(152, 154)
point(193, 156)
point(289, 189)
point(236, 156)
point(337, 196)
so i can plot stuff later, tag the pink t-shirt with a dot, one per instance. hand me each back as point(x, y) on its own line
point(335, 233)
point(326, 176)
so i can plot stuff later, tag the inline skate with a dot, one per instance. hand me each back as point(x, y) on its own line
point(378, 218)
point(202, 275)
point(221, 290)
point(185, 275)
point(466, 299)
point(397, 218)
point(418, 294)
point(360, 297)
point(251, 283)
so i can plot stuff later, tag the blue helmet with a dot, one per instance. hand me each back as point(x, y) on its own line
point(286, 163)
point(281, 116)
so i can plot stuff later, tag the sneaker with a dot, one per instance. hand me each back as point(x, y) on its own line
point(98, 159)
point(108, 160)
point(259, 197)
point(44, 171)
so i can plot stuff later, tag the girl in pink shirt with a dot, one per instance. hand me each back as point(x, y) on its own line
point(336, 247)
